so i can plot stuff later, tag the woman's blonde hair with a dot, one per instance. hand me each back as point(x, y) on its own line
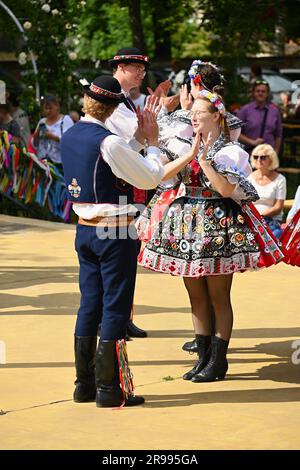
point(100, 111)
point(268, 150)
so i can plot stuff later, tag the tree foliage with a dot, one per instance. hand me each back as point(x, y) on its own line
point(50, 30)
point(103, 27)
point(237, 28)
point(150, 25)
point(66, 35)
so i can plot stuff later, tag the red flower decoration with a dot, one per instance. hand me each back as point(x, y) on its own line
point(197, 79)
point(206, 193)
point(277, 254)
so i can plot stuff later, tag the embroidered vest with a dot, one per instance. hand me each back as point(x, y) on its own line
point(88, 178)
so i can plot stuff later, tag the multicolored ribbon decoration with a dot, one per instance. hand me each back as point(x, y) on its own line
point(32, 180)
point(126, 377)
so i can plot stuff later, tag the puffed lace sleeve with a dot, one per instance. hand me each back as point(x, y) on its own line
point(233, 163)
point(177, 124)
point(177, 147)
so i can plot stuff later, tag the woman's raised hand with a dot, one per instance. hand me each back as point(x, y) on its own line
point(202, 156)
point(196, 145)
point(186, 101)
point(152, 104)
point(147, 128)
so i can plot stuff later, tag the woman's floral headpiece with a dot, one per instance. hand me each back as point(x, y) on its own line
point(195, 74)
point(214, 99)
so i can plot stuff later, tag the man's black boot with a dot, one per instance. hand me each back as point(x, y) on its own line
point(134, 331)
point(85, 350)
point(109, 393)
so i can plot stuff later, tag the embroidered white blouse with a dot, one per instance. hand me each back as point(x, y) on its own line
point(230, 160)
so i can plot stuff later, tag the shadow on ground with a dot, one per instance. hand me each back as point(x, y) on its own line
point(278, 395)
point(282, 370)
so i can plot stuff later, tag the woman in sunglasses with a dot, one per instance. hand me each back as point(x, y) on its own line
point(207, 230)
point(270, 186)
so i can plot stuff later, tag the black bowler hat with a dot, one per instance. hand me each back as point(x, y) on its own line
point(104, 88)
point(127, 55)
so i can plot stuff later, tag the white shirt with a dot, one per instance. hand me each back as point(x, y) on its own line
point(48, 148)
point(123, 122)
point(140, 101)
point(269, 193)
point(126, 163)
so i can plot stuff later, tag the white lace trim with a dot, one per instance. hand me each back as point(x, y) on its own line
point(199, 268)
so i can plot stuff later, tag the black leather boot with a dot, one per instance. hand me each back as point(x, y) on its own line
point(217, 366)
point(85, 350)
point(190, 346)
point(109, 393)
point(203, 344)
point(134, 331)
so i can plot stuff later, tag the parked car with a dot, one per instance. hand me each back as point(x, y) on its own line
point(277, 81)
point(292, 74)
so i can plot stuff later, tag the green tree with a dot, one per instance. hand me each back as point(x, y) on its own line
point(153, 26)
point(236, 28)
point(49, 30)
point(67, 36)
point(102, 29)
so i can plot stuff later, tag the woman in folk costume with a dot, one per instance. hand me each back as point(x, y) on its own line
point(290, 238)
point(207, 230)
point(203, 76)
point(178, 126)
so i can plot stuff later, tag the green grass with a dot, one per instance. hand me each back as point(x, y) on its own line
point(168, 378)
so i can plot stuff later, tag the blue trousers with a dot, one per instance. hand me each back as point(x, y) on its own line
point(107, 276)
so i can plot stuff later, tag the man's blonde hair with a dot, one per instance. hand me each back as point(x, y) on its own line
point(268, 150)
point(98, 110)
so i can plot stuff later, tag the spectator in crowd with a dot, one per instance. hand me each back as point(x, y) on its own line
point(177, 76)
point(20, 116)
point(270, 186)
point(262, 119)
point(7, 123)
point(297, 108)
point(138, 98)
point(286, 106)
point(47, 135)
